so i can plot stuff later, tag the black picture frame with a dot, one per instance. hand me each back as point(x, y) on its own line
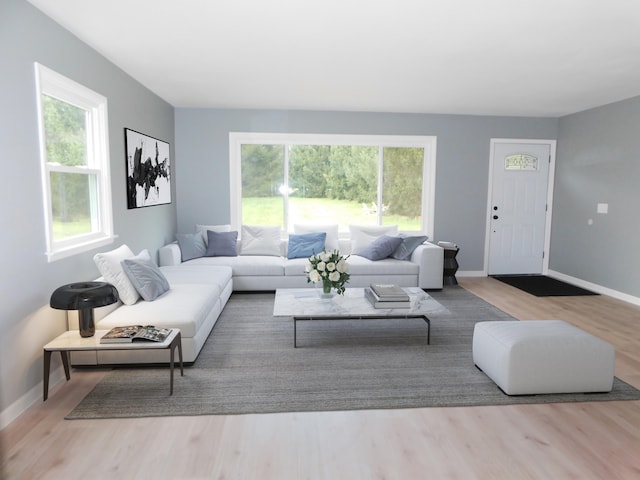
point(148, 170)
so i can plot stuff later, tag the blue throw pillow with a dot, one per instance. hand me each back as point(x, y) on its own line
point(380, 248)
point(306, 244)
point(191, 245)
point(407, 246)
point(222, 244)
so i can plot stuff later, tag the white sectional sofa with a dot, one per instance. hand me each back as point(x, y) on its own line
point(195, 298)
point(251, 272)
point(195, 291)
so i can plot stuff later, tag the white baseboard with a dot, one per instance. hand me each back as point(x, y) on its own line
point(34, 395)
point(594, 287)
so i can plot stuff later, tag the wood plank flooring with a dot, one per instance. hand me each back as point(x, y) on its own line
point(599, 440)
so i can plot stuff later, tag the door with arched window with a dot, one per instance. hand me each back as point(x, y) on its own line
point(519, 206)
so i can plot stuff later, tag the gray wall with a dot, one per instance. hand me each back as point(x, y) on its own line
point(598, 162)
point(462, 169)
point(26, 321)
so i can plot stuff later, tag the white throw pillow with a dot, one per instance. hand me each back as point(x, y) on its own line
point(363, 235)
point(260, 240)
point(330, 243)
point(110, 267)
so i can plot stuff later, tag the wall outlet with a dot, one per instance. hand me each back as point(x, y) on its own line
point(603, 208)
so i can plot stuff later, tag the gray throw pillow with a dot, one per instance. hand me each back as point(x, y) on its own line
point(146, 278)
point(191, 245)
point(380, 248)
point(222, 244)
point(407, 246)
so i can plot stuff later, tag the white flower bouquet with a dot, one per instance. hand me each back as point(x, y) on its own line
point(331, 269)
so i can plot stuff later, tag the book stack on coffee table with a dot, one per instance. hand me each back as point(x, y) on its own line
point(387, 296)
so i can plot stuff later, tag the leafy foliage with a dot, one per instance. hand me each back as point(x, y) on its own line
point(65, 133)
point(340, 172)
point(66, 145)
point(262, 170)
point(402, 187)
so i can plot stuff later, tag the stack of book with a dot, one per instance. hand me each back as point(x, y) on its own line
point(387, 296)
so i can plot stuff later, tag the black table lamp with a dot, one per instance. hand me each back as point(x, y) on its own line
point(84, 297)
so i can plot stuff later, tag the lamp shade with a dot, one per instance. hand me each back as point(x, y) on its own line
point(83, 295)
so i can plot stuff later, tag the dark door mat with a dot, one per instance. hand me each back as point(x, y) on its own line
point(542, 286)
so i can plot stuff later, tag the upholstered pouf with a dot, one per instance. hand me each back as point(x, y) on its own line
point(542, 356)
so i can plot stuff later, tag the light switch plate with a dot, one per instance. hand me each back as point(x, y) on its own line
point(603, 208)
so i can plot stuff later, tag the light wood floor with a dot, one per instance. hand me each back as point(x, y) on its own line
point(599, 440)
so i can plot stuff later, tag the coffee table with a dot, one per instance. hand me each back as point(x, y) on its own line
point(71, 341)
point(306, 304)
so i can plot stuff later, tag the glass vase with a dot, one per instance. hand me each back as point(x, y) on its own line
point(326, 289)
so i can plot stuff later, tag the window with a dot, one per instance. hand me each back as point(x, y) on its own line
point(75, 165)
point(284, 179)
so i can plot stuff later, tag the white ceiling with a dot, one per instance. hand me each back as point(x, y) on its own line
point(494, 57)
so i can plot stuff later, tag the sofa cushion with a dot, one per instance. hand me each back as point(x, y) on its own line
point(249, 265)
point(389, 266)
point(184, 307)
point(146, 277)
point(382, 247)
point(188, 273)
point(296, 266)
point(363, 235)
point(192, 245)
point(408, 245)
point(260, 240)
point(221, 244)
point(110, 267)
point(306, 244)
point(331, 241)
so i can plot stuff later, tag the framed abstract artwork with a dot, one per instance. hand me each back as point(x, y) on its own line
point(148, 170)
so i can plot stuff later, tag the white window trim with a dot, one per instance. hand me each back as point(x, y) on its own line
point(428, 143)
point(58, 86)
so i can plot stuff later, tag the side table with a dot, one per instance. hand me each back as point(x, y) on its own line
point(71, 341)
point(450, 263)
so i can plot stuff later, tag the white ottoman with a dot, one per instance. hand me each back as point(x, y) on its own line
point(542, 356)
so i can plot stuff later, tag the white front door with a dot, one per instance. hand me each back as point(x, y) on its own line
point(518, 206)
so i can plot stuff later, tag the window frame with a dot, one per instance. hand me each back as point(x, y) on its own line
point(428, 143)
point(53, 84)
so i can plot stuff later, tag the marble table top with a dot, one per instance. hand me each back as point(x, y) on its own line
point(307, 302)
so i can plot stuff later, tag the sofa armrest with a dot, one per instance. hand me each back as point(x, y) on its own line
point(430, 260)
point(170, 255)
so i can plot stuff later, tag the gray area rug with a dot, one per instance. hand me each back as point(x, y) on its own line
point(249, 365)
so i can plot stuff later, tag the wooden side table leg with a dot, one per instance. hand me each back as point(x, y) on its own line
point(172, 349)
point(177, 342)
point(45, 372)
point(65, 362)
point(180, 354)
point(47, 368)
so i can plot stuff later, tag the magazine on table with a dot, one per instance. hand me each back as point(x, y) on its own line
point(134, 333)
point(389, 293)
point(375, 301)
